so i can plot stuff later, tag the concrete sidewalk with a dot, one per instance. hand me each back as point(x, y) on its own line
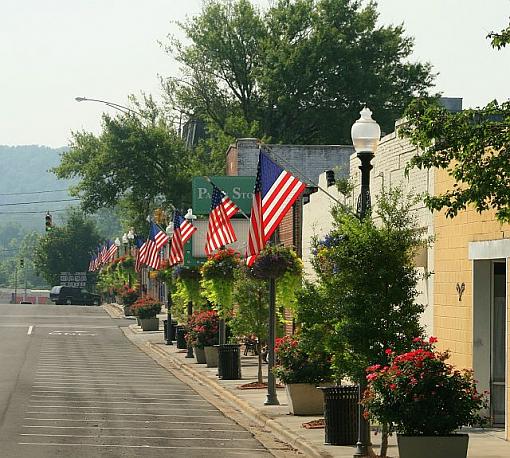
point(247, 406)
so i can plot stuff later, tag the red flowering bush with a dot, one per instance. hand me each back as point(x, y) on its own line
point(202, 329)
point(146, 307)
point(129, 295)
point(420, 394)
point(221, 265)
point(296, 365)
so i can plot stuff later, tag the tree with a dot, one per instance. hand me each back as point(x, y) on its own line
point(66, 248)
point(298, 72)
point(252, 299)
point(137, 161)
point(473, 146)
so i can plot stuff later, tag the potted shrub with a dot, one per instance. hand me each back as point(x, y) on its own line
point(129, 297)
point(203, 335)
point(145, 309)
point(301, 371)
point(425, 400)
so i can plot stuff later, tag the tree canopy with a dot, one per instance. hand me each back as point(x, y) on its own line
point(134, 161)
point(298, 72)
point(66, 248)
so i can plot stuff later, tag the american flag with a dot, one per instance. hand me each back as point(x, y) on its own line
point(220, 231)
point(275, 192)
point(157, 240)
point(141, 252)
point(110, 254)
point(183, 230)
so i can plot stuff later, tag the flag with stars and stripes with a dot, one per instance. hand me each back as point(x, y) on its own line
point(275, 192)
point(183, 230)
point(220, 231)
point(141, 246)
point(157, 240)
point(112, 250)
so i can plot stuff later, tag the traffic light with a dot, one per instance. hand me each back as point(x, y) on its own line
point(49, 223)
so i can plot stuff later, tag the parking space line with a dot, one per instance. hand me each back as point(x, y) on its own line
point(30, 328)
point(111, 436)
point(236, 431)
point(102, 420)
point(158, 415)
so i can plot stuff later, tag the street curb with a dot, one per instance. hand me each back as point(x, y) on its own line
point(285, 435)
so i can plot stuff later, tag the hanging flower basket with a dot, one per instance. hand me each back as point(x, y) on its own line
point(274, 261)
point(221, 265)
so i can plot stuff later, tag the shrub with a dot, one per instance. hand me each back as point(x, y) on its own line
point(146, 307)
point(202, 329)
point(129, 295)
point(296, 365)
point(418, 393)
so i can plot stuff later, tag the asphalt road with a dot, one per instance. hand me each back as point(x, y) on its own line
point(71, 385)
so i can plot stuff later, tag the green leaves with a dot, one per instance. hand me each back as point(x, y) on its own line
point(472, 147)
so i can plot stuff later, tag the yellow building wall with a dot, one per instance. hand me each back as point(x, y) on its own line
point(453, 319)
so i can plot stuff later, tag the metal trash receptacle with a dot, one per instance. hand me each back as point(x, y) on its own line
point(229, 361)
point(180, 332)
point(340, 414)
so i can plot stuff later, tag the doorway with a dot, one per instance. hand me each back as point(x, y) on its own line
point(498, 343)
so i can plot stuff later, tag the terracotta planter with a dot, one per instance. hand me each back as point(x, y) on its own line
point(304, 399)
point(149, 324)
point(199, 355)
point(451, 446)
point(211, 356)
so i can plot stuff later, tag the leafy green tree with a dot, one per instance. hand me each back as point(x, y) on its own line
point(66, 248)
point(298, 72)
point(366, 286)
point(252, 299)
point(139, 161)
point(473, 146)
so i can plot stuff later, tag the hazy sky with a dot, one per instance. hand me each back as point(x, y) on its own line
point(54, 50)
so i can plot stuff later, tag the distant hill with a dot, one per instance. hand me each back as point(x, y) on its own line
point(26, 169)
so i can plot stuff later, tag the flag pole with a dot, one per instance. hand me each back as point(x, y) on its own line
point(240, 209)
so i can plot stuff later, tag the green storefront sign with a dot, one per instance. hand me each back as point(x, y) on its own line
point(239, 189)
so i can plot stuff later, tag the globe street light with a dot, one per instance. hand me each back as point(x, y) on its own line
point(365, 134)
point(117, 244)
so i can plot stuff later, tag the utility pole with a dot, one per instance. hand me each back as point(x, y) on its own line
point(15, 283)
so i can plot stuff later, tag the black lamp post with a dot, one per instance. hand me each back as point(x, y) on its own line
point(170, 232)
point(365, 134)
point(189, 353)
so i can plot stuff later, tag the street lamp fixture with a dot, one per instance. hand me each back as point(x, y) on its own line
point(365, 134)
point(190, 217)
point(116, 106)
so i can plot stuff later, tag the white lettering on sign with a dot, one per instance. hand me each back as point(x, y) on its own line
point(203, 193)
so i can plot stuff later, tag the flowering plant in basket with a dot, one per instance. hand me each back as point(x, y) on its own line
point(296, 365)
point(418, 393)
point(274, 261)
point(202, 329)
point(146, 307)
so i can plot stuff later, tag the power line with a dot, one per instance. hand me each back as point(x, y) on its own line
point(40, 212)
point(31, 192)
point(39, 202)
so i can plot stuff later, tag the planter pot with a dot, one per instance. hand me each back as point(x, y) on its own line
point(451, 446)
point(304, 399)
point(211, 356)
point(199, 355)
point(149, 324)
point(341, 415)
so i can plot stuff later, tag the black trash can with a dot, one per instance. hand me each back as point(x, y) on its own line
point(165, 329)
point(341, 414)
point(173, 330)
point(229, 361)
point(180, 331)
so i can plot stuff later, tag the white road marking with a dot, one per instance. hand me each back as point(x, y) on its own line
point(230, 449)
point(71, 333)
point(94, 436)
point(30, 328)
point(237, 431)
point(102, 420)
point(170, 408)
point(169, 401)
point(128, 414)
point(90, 391)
